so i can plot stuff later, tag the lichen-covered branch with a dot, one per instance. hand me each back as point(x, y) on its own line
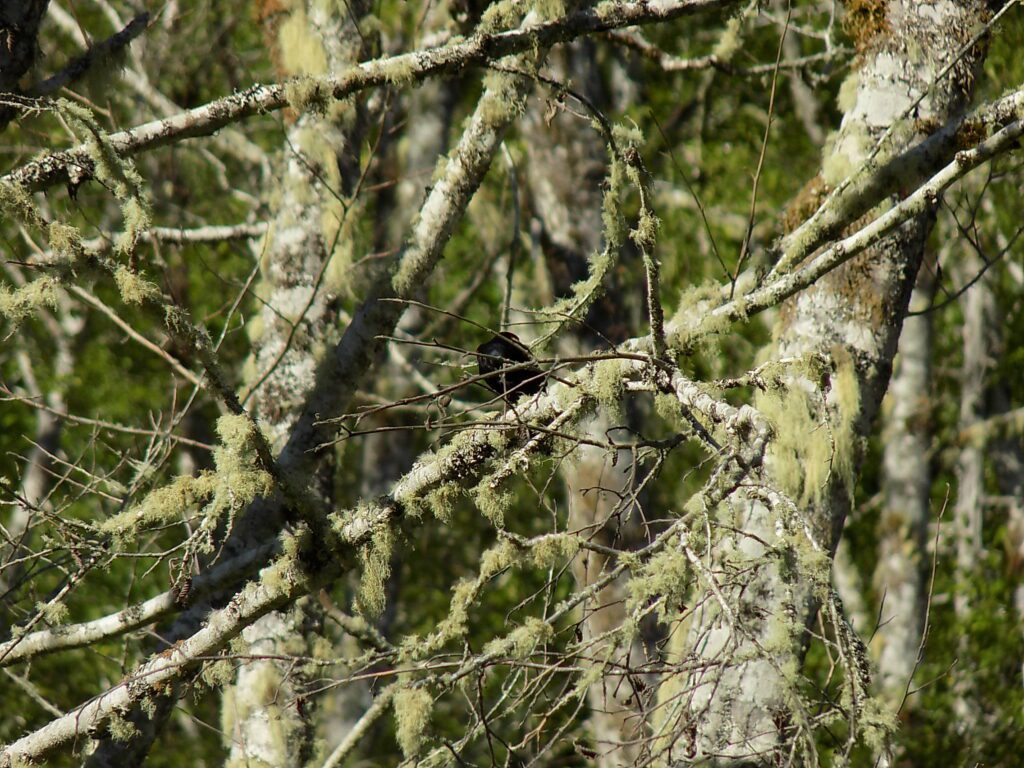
point(75, 165)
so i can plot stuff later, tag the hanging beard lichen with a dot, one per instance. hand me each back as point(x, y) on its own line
point(814, 430)
point(375, 558)
point(412, 716)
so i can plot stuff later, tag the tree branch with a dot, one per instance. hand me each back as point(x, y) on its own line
point(75, 166)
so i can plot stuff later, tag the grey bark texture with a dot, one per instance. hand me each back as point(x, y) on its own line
point(902, 529)
point(566, 161)
point(979, 311)
point(742, 700)
point(263, 714)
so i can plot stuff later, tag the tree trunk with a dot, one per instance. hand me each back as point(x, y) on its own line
point(903, 525)
point(743, 699)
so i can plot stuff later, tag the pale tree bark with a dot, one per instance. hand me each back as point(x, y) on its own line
point(261, 716)
point(566, 160)
point(602, 502)
point(903, 524)
point(1006, 452)
point(340, 375)
point(742, 703)
point(978, 305)
point(264, 717)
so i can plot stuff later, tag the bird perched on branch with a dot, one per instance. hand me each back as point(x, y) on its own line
point(494, 359)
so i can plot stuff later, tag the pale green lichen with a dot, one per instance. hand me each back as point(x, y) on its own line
point(218, 674)
point(136, 213)
point(701, 334)
point(492, 502)
point(695, 301)
point(322, 649)
point(801, 449)
point(670, 411)
point(612, 217)
point(844, 399)
point(307, 94)
point(64, 239)
point(645, 235)
point(810, 441)
point(846, 99)
point(878, 724)
point(781, 634)
point(134, 288)
point(412, 266)
point(549, 9)
point(845, 155)
point(53, 613)
point(114, 171)
point(241, 477)
point(400, 72)
point(15, 199)
point(302, 52)
point(607, 10)
point(502, 101)
point(454, 624)
point(412, 707)
point(121, 730)
point(280, 576)
point(593, 674)
point(262, 689)
point(148, 706)
point(375, 558)
point(555, 549)
point(607, 383)
point(228, 709)
point(162, 506)
point(600, 264)
point(499, 16)
point(522, 641)
point(666, 578)
point(813, 564)
point(730, 42)
point(237, 482)
point(442, 499)
point(255, 327)
point(627, 135)
point(18, 305)
point(502, 555)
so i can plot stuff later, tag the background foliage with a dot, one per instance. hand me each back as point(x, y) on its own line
point(700, 136)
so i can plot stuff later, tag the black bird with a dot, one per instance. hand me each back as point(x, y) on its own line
point(493, 359)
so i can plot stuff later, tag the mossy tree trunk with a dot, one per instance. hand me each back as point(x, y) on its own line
point(303, 263)
point(769, 557)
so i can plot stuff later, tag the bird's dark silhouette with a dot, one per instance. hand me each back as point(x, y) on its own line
point(494, 359)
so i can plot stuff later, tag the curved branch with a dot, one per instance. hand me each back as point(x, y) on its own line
point(75, 166)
